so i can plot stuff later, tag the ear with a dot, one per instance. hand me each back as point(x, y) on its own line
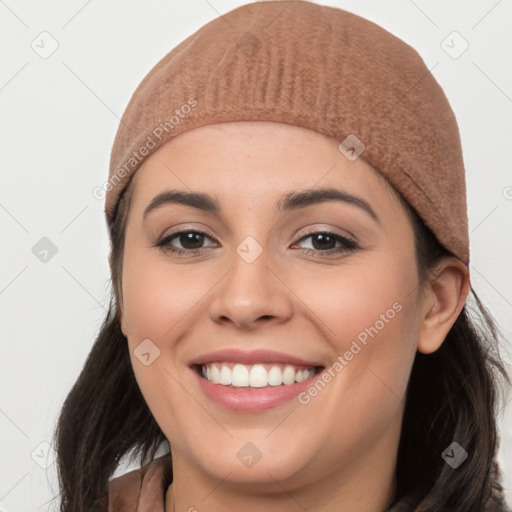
point(444, 296)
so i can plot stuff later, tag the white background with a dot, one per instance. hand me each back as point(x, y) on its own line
point(59, 117)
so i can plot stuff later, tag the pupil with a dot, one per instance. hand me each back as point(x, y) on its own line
point(189, 238)
point(324, 238)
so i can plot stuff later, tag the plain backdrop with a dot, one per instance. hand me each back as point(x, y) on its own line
point(59, 115)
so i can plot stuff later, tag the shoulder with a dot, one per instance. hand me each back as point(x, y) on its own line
point(140, 489)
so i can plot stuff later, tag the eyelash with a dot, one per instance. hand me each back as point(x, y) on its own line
point(349, 244)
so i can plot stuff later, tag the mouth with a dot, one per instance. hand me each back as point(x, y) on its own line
point(254, 381)
point(255, 376)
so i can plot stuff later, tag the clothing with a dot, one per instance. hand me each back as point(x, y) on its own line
point(144, 490)
point(315, 67)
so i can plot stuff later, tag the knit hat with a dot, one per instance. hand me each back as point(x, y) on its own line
point(320, 68)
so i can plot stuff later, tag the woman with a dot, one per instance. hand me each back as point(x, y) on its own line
point(290, 263)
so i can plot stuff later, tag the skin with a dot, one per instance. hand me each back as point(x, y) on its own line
point(324, 455)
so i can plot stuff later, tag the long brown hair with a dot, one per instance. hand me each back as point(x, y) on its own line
point(452, 395)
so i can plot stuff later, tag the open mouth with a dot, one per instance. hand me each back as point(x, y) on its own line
point(255, 376)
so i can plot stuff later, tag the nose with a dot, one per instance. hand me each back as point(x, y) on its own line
point(251, 294)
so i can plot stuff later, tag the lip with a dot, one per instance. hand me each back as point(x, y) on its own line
point(252, 357)
point(253, 400)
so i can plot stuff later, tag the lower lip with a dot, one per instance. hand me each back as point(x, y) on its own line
point(254, 399)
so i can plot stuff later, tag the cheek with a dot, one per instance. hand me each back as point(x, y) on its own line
point(159, 305)
point(368, 315)
point(367, 300)
point(163, 301)
point(158, 297)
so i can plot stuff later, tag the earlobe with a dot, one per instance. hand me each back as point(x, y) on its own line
point(123, 326)
point(445, 296)
point(122, 322)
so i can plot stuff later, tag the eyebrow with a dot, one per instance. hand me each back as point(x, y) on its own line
point(290, 201)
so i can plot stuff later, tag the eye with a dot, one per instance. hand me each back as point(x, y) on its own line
point(323, 242)
point(190, 240)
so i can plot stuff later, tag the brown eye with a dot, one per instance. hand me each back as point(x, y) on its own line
point(191, 241)
point(324, 242)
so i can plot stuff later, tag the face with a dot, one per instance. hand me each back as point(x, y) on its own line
point(322, 291)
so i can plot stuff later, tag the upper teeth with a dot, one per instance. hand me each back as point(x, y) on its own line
point(255, 375)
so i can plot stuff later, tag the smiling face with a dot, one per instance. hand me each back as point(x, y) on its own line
point(329, 285)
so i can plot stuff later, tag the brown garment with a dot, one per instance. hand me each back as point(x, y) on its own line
point(144, 490)
point(141, 490)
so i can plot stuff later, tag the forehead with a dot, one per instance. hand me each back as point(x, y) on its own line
point(256, 163)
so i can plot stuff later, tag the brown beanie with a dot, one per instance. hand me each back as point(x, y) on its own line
point(317, 67)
